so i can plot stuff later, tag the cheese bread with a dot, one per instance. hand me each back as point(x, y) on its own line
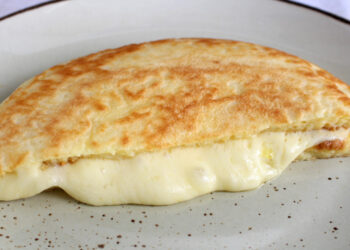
point(165, 121)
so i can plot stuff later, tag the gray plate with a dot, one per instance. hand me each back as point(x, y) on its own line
point(307, 206)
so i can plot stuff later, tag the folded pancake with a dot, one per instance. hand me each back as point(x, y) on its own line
point(165, 121)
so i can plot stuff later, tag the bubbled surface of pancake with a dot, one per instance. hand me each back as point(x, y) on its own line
point(165, 94)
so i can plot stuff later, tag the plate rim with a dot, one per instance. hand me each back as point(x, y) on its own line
point(30, 8)
point(297, 4)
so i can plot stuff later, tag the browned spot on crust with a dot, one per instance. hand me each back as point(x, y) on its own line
point(125, 140)
point(208, 42)
point(133, 117)
point(102, 128)
point(306, 73)
point(295, 61)
point(59, 162)
point(18, 161)
point(336, 144)
point(332, 128)
point(100, 106)
point(137, 95)
point(155, 85)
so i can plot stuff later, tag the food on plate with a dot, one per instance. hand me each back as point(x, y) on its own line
point(165, 121)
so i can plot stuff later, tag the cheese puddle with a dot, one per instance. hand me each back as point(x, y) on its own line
point(168, 177)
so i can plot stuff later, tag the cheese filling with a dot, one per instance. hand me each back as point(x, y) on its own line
point(167, 177)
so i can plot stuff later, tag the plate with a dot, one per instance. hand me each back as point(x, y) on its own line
point(307, 207)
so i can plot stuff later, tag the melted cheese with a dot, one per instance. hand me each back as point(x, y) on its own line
point(167, 177)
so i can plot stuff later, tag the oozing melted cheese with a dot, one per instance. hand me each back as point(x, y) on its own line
point(167, 177)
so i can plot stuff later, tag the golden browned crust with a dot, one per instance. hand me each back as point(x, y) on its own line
point(165, 94)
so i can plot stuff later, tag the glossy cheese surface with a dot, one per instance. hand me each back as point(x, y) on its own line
point(167, 177)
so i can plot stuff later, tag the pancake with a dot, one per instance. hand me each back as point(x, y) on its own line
point(165, 121)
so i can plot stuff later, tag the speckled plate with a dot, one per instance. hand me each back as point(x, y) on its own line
point(307, 207)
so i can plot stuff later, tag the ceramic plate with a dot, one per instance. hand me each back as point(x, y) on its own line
point(307, 207)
